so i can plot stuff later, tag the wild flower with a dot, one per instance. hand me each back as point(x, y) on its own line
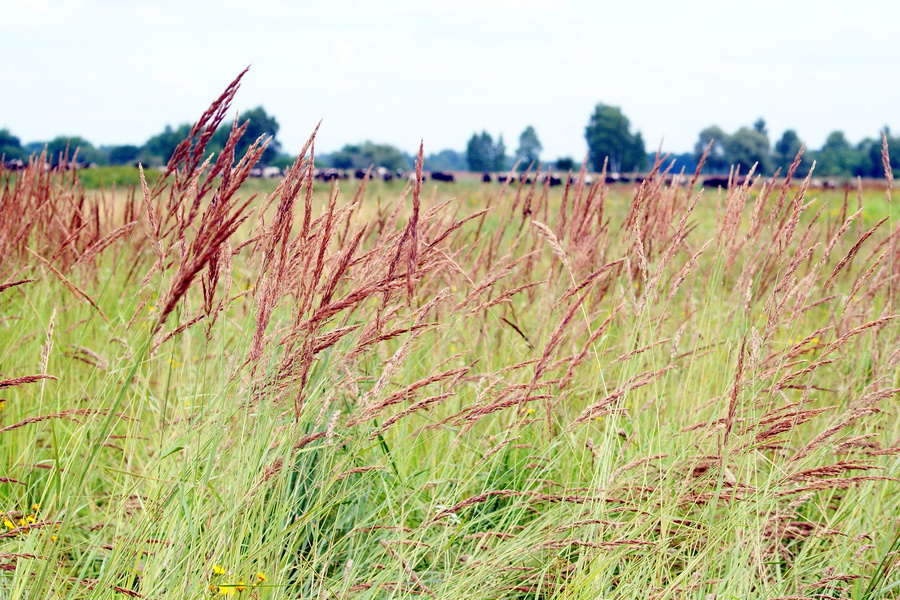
point(218, 570)
point(8, 524)
point(227, 590)
point(261, 577)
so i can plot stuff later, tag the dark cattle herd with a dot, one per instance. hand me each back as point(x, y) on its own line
point(384, 174)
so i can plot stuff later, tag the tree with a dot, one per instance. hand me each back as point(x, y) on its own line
point(367, 154)
point(870, 151)
point(717, 160)
point(481, 152)
point(759, 126)
point(529, 150)
point(609, 137)
point(445, 160)
point(123, 155)
point(259, 123)
point(500, 155)
point(786, 149)
point(10, 146)
point(56, 149)
point(747, 147)
point(565, 163)
point(159, 148)
point(838, 157)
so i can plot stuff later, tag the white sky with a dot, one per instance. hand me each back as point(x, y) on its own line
point(116, 72)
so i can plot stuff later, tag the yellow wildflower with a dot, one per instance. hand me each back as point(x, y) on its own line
point(35, 507)
point(218, 570)
point(240, 586)
point(8, 524)
point(30, 518)
point(227, 590)
point(2, 404)
point(23, 522)
point(261, 577)
point(52, 538)
point(530, 411)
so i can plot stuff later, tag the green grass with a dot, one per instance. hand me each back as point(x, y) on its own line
point(192, 453)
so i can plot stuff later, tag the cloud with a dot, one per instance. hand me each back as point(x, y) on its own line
point(148, 11)
point(345, 52)
point(177, 82)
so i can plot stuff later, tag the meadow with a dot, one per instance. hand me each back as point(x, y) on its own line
point(369, 390)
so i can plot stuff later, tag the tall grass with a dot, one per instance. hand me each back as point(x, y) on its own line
point(566, 394)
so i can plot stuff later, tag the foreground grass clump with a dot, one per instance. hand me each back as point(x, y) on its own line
point(565, 394)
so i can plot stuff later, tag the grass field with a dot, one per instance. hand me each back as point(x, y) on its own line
point(386, 391)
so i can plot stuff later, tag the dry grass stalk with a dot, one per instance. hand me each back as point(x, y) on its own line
point(409, 571)
point(69, 285)
point(10, 284)
point(16, 381)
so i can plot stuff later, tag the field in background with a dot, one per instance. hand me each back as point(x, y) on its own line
point(390, 391)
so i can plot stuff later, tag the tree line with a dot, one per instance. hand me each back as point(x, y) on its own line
point(155, 151)
point(608, 133)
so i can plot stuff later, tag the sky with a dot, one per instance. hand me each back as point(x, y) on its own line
point(398, 71)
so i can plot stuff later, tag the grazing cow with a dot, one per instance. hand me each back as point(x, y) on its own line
point(555, 181)
point(716, 181)
point(329, 175)
point(359, 174)
point(486, 178)
point(503, 178)
point(271, 172)
point(443, 176)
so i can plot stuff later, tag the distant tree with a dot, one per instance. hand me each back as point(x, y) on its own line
point(11, 147)
point(871, 164)
point(123, 155)
point(786, 149)
point(159, 148)
point(747, 147)
point(684, 161)
point(838, 157)
point(481, 152)
point(259, 124)
point(529, 150)
point(500, 162)
point(759, 126)
point(445, 160)
point(716, 161)
point(56, 149)
point(367, 154)
point(566, 163)
point(283, 161)
point(609, 137)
